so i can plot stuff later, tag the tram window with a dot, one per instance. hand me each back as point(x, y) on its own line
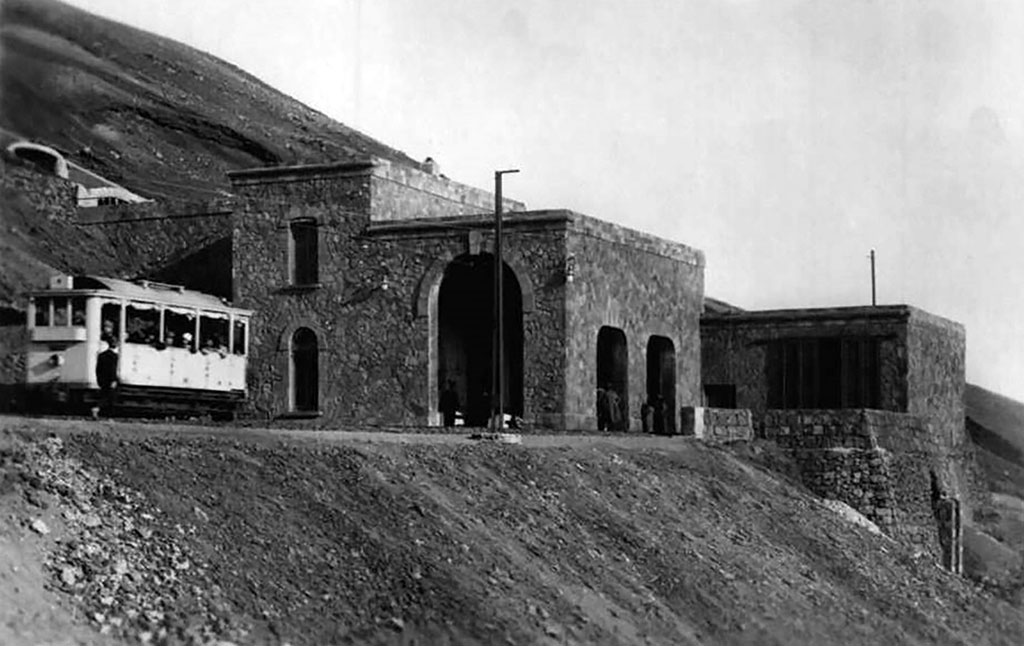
point(142, 325)
point(239, 338)
point(110, 317)
point(213, 333)
point(42, 312)
point(78, 311)
point(60, 312)
point(179, 329)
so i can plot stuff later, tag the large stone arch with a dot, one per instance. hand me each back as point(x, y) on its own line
point(426, 294)
point(426, 310)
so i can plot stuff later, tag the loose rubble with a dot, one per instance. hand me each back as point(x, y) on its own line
point(116, 560)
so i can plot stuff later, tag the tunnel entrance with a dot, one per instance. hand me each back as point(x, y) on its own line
point(612, 380)
point(467, 337)
point(661, 383)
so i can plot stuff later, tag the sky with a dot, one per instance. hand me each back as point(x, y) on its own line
point(784, 138)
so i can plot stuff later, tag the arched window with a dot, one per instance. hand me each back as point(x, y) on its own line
point(305, 377)
point(304, 252)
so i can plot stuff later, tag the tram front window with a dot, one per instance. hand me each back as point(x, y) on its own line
point(78, 311)
point(42, 312)
point(239, 341)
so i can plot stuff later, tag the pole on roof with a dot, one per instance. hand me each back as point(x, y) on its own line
point(499, 306)
point(874, 300)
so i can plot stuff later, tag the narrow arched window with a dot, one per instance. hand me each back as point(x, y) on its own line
point(305, 371)
point(305, 258)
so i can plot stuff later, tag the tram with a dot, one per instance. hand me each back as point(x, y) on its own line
point(177, 350)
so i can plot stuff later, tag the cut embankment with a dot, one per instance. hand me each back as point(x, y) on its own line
point(312, 543)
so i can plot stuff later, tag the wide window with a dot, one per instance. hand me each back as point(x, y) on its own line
point(179, 329)
point(213, 333)
point(305, 259)
point(823, 373)
point(142, 324)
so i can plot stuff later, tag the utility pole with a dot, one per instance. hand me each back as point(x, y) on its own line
point(874, 301)
point(499, 306)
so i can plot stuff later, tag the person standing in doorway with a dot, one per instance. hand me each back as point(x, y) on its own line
point(449, 404)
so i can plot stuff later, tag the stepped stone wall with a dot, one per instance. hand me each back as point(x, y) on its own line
point(891, 467)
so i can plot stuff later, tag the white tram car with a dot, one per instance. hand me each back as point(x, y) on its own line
point(179, 351)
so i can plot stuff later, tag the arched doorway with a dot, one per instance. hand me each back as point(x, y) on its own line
point(612, 380)
point(305, 368)
point(467, 332)
point(661, 382)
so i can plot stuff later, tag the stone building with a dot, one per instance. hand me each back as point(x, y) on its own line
point(890, 357)
point(373, 287)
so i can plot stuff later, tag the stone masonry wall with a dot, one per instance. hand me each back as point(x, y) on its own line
point(878, 462)
point(375, 365)
point(401, 192)
point(936, 350)
point(642, 285)
point(717, 425)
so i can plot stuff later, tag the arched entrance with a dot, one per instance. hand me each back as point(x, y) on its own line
point(305, 377)
point(661, 382)
point(467, 332)
point(612, 380)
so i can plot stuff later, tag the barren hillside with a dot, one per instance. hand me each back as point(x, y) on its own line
point(268, 540)
point(161, 117)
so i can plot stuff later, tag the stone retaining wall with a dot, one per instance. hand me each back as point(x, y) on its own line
point(716, 425)
point(881, 463)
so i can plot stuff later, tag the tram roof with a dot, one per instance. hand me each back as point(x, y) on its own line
point(139, 290)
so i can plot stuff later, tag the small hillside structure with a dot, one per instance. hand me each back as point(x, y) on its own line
point(889, 357)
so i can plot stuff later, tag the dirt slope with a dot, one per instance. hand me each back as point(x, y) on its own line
point(284, 540)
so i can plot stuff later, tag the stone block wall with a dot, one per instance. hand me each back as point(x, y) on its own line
point(400, 192)
point(642, 285)
point(936, 353)
point(378, 348)
point(716, 425)
point(880, 463)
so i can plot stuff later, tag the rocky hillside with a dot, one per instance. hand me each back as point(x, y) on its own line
point(164, 119)
point(156, 535)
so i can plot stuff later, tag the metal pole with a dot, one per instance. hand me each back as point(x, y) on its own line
point(499, 309)
point(874, 300)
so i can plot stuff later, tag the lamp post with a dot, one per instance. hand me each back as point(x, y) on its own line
point(499, 306)
point(874, 301)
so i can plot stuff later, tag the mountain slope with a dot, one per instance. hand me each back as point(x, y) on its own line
point(164, 119)
point(334, 541)
point(999, 423)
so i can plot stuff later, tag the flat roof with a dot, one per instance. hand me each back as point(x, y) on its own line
point(855, 312)
point(141, 290)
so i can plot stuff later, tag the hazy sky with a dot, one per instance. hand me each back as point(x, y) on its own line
point(785, 138)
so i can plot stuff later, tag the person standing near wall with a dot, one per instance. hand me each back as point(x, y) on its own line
point(449, 404)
